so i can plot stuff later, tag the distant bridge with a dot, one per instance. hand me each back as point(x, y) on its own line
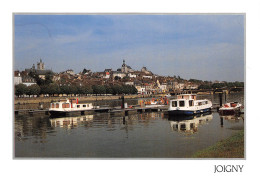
point(208, 91)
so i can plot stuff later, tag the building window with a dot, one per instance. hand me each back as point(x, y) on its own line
point(181, 103)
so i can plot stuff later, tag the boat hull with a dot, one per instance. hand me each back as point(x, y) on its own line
point(64, 113)
point(187, 112)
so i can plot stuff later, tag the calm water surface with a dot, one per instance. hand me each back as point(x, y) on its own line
point(104, 135)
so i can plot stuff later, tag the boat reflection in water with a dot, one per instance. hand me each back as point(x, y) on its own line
point(233, 118)
point(70, 122)
point(189, 124)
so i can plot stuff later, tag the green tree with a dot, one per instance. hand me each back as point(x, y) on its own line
point(20, 89)
point(109, 89)
point(117, 89)
point(48, 78)
point(73, 90)
point(81, 90)
point(64, 89)
point(53, 88)
point(88, 90)
point(218, 85)
point(34, 90)
point(99, 89)
point(133, 90)
point(204, 86)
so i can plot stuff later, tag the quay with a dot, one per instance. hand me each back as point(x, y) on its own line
point(112, 110)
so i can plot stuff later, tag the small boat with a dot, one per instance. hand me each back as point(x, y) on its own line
point(160, 102)
point(230, 108)
point(187, 104)
point(67, 106)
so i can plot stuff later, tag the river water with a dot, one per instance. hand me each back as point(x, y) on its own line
point(105, 135)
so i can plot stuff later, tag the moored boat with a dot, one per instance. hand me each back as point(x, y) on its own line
point(67, 106)
point(187, 104)
point(230, 108)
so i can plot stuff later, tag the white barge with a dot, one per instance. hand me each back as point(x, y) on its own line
point(67, 106)
point(187, 104)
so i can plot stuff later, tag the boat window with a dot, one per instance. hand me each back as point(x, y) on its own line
point(183, 126)
point(174, 103)
point(87, 105)
point(84, 105)
point(191, 103)
point(52, 105)
point(206, 102)
point(57, 105)
point(200, 103)
point(181, 103)
point(65, 105)
point(78, 106)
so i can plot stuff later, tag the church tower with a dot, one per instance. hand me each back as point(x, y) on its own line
point(40, 65)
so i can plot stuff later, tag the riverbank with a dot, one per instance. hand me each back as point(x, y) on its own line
point(232, 147)
point(37, 100)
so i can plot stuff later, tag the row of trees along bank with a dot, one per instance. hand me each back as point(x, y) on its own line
point(53, 88)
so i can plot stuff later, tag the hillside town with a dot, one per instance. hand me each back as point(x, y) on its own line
point(144, 81)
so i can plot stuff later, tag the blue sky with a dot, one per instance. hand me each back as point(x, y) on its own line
point(206, 47)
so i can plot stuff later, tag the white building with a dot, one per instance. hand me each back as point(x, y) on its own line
point(131, 75)
point(18, 79)
point(129, 83)
point(70, 71)
point(118, 74)
point(106, 75)
point(148, 77)
point(140, 90)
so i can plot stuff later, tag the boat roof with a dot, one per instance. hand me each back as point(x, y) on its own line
point(188, 94)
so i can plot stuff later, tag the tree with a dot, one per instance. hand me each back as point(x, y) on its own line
point(133, 90)
point(64, 89)
point(109, 89)
point(218, 85)
point(33, 90)
point(81, 90)
point(204, 86)
point(88, 90)
point(48, 78)
point(73, 90)
point(117, 89)
point(99, 89)
point(53, 88)
point(20, 89)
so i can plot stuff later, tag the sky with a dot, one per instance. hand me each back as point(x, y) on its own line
point(205, 47)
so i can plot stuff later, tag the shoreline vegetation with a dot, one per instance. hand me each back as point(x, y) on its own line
point(232, 147)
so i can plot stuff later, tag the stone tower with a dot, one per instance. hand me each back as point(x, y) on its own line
point(40, 65)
